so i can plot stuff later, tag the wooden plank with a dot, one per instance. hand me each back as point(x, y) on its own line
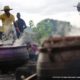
point(32, 77)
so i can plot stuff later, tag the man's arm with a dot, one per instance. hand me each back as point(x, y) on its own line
point(1, 16)
point(16, 27)
point(25, 26)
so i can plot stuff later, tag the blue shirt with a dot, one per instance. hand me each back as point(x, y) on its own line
point(21, 24)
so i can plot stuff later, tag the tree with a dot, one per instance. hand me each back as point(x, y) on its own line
point(31, 23)
point(48, 27)
point(45, 28)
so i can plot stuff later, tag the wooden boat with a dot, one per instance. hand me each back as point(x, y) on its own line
point(59, 57)
point(12, 57)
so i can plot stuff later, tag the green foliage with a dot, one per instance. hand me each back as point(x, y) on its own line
point(45, 28)
point(48, 27)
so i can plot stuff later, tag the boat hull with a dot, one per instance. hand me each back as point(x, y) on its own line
point(13, 57)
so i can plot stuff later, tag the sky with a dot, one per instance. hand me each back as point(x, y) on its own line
point(38, 10)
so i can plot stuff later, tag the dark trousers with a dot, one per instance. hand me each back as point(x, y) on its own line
point(1, 35)
point(18, 34)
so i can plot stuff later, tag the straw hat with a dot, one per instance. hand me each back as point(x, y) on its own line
point(6, 8)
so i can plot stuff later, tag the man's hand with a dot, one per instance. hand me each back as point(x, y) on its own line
point(18, 29)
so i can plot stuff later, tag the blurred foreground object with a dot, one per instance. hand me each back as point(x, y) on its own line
point(59, 57)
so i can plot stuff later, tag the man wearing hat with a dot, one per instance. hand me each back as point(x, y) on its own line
point(7, 20)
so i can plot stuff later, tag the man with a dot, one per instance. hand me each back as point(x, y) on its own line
point(20, 24)
point(7, 21)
